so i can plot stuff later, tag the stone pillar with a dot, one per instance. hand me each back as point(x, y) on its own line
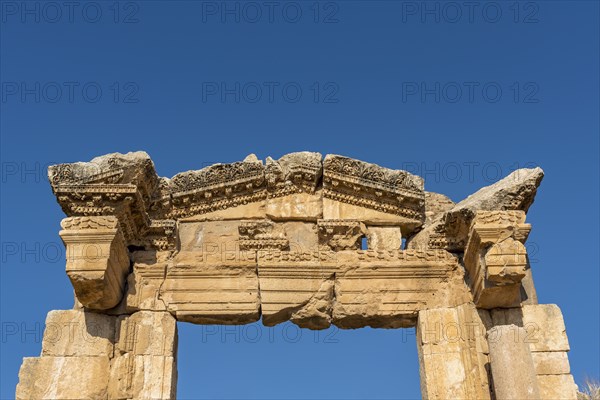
point(453, 354)
point(144, 365)
point(75, 360)
point(512, 367)
point(86, 355)
point(544, 333)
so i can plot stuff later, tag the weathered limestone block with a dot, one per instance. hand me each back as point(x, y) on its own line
point(298, 287)
point(144, 366)
point(143, 377)
point(78, 333)
point(453, 360)
point(557, 387)
point(121, 185)
point(548, 327)
point(340, 234)
point(143, 285)
point(292, 187)
point(386, 289)
point(67, 378)
point(211, 237)
point(302, 236)
point(354, 189)
point(496, 259)
point(544, 333)
point(384, 238)
point(551, 363)
point(296, 207)
point(220, 191)
point(97, 260)
point(213, 288)
point(263, 234)
point(147, 333)
point(450, 230)
point(435, 205)
point(512, 366)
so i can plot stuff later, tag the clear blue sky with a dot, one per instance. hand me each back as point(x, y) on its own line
point(459, 95)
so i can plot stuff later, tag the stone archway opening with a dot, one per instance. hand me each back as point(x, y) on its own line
point(281, 241)
point(286, 361)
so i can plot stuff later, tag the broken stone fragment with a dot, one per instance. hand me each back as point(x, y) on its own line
point(115, 168)
point(435, 205)
point(296, 286)
point(386, 289)
point(450, 230)
point(340, 234)
point(292, 183)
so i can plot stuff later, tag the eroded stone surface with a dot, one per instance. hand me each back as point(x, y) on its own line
point(231, 243)
point(386, 289)
point(450, 230)
point(78, 333)
point(63, 378)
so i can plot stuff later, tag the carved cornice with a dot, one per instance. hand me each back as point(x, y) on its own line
point(293, 173)
point(368, 185)
point(216, 187)
point(122, 186)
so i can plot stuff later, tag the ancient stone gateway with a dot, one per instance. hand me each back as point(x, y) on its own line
point(281, 240)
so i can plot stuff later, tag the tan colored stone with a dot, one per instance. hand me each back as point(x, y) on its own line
point(546, 326)
point(386, 289)
point(143, 377)
point(296, 286)
point(78, 333)
point(557, 387)
point(384, 238)
point(67, 378)
point(354, 189)
point(211, 237)
point(302, 236)
point(496, 259)
point(452, 362)
point(528, 292)
point(97, 260)
point(147, 333)
point(219, 287)
point(512, 366)
point(143, 285)
point(551, 363)
point(218, 187)
point(299, 206)
point(435, 205)
point(223, 244)
point(333, 209)
point(450, 230)
point(340, 234)
point(254, 210)
point(292, 187)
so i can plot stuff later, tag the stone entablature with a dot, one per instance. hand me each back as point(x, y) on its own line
point(284, 240)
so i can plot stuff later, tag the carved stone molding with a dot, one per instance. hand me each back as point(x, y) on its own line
point(256, 235)
point(371, 186)
point(97, 260)
point(495, 257)
point(340, 234)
